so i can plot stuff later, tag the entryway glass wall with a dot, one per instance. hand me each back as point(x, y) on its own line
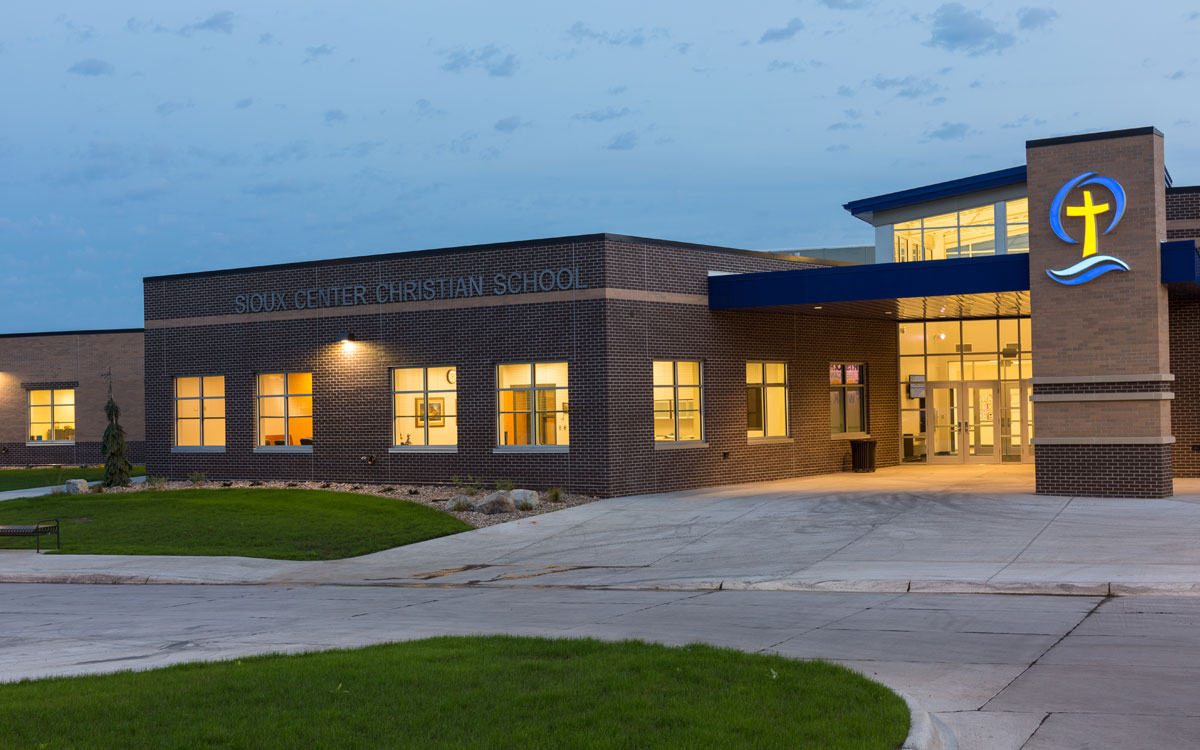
point(964, 391)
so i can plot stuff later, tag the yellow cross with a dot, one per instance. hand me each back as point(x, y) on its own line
point(1089, 212)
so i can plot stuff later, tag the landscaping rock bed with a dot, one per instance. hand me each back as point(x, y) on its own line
point(434, 496)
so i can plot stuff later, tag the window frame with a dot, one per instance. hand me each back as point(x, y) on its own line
point(29, 405)
point(176, 447)
point(285, 396)
point(534, 411)
point(762, 387)
point(426, 448)
point(844, 387)
point(675, 386)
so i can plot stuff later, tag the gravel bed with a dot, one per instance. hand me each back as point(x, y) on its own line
point(434, 496)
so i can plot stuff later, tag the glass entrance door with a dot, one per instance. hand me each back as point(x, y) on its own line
point(966, 425)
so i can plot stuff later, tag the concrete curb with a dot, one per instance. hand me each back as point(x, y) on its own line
point(925, 731)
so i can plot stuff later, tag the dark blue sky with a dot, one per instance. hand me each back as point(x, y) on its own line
point(145, 138)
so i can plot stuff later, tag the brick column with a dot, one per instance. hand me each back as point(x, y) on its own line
point(1101, 363)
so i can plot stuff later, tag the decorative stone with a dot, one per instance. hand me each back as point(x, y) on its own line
point(460, 503)
point(75, 487)
point(526, 496)
point(497, 502)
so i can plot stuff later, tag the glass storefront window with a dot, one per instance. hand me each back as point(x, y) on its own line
point(424, 406)
point(943, 337)
point(678, 401)
point(970, 232)
point(52, 415)
point(766, 399)
point(200, 411)
point(532, 404)
point(285, 409)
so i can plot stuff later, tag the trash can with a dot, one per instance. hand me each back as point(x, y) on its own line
point(862, 454)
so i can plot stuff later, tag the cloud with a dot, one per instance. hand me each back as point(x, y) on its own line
point(838, 147)
point(363, 148)
point(1029, 19)
point(618, 90)
point(312, 54)
point(1022, 121)
point(218, 22)
point(843, 125)
point(950, 131)
point(603, 115)
point(296, 150)
point(844, 4)
point(509, 124)
point(266, 38)
point(782, 34)
point(166, 109)
point(623, 141)
point(1178, 75)
point(909, 87)
point(243, 103)
point(426, 109)
point(488, 58)
point(777, 65)
point(957, 29)
point(92, 67)
point(845, 91)
point(581, 32)
point(334, 116)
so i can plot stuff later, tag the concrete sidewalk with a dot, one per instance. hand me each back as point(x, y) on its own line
point(41, 491)
point(919, 529)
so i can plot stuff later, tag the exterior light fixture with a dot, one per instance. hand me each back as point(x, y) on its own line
point(818, 307)
point(347, 340)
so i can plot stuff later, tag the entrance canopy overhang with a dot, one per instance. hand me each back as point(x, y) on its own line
point(985, 287)
point(990, 286)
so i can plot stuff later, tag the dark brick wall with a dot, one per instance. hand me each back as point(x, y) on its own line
point(1125, 387)
point(609, 344)
point(77, 454)
point(1185, 364)
point(1183, 203)
point(1104, 470)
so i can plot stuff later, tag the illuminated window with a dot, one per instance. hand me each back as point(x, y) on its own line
point(424, 407)
point(285, 414)
point(1017, 213)
point(847, 398)
point(678, 401)
point(961, 234)
point(200, 411)
point(52, 415)
point(532, 404)
point(766, 399)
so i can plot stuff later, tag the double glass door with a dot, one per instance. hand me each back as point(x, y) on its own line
point(977, 421)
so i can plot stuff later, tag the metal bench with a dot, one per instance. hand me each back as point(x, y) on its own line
point(38, 530)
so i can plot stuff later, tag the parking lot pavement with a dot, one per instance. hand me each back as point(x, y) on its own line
point(998, 671)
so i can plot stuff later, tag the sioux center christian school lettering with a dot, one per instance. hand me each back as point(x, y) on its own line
point(412, 290)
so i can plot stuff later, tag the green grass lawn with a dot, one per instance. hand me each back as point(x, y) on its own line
point(19, 479)
point(476, 692)
point(280, 524)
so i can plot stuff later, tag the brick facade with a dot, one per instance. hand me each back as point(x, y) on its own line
point(1088, 470)
point(643, 300)
point(70, 360)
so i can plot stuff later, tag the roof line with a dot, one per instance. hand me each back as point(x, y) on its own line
point(94, 332)
point(1100, 136)
point(960, 186)
point(543, 242)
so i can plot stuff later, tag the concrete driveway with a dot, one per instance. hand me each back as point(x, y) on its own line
point(906, 529)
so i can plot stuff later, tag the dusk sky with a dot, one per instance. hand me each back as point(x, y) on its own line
point(145, 138)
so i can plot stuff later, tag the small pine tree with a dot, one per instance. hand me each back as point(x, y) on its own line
point(116, 465)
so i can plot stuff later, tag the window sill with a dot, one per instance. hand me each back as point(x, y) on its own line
point(423, 449)
point(531, 449)
point(769, 440)
point(663, 445)
point(198, 449)
point(284, 449)
point(850, 436)
point(49, 442)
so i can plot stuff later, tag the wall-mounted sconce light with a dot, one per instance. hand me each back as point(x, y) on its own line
point(347, 340)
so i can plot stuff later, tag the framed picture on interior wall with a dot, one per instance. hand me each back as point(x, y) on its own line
point(434, 411)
